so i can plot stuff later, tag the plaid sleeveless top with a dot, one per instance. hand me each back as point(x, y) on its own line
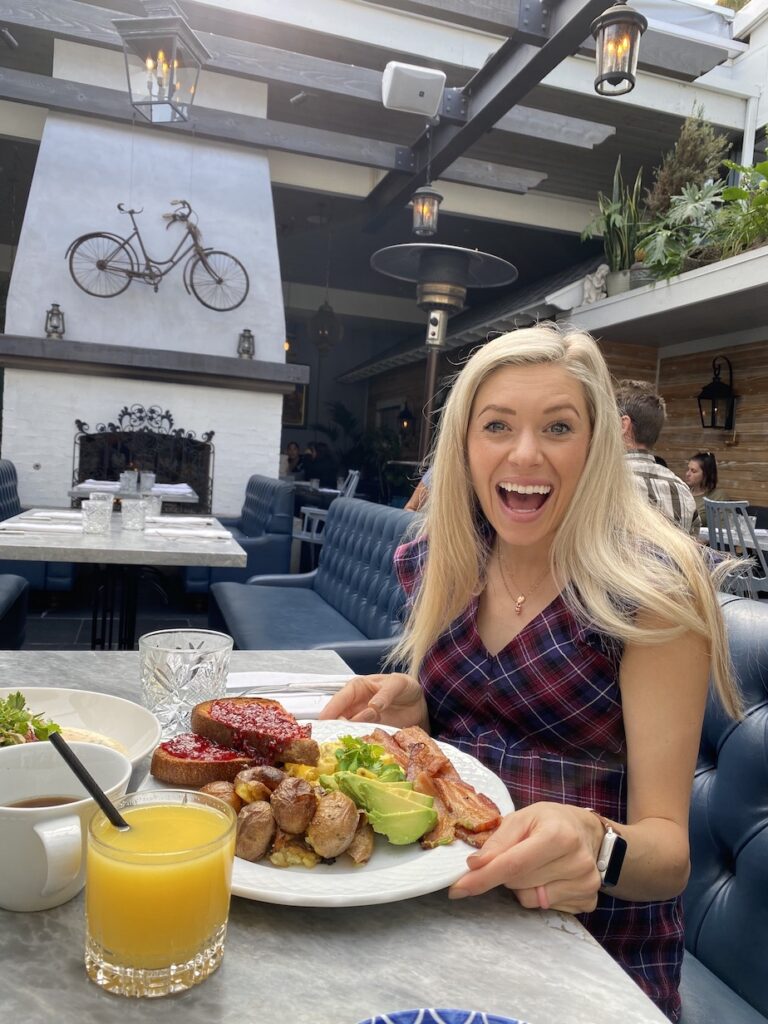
point(545, 715)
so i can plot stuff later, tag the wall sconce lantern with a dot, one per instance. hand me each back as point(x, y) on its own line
point(617, 33)
point(163, 57)
point(425, 203)
point(54, 322)
point(405, 420)
point(246, 345)
point(717, 399)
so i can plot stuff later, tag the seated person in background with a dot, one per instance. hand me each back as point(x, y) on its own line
point(643, 413)
point(322, 467)
point(420, 494)
point(701, 477)
point(561, 631)
point(293, 458)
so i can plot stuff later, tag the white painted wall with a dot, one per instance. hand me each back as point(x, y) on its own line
point(39, 428)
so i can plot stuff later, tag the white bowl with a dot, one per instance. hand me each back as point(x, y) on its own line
point(129, 724)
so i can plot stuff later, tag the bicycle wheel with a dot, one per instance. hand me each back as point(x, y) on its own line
point(218, 280)
point(102, 265)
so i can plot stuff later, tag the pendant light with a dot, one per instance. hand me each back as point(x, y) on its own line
point(617, 33)
point(325, 328)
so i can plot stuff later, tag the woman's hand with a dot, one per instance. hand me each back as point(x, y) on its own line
point(546, 854)
point(392, 699)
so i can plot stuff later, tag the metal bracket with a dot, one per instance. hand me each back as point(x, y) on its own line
point(454, 106)
point(533, 20)
point(405, 159)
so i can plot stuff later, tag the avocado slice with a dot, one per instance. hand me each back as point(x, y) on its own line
point(403, 827)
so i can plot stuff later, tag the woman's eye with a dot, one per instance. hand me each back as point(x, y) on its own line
point(495, 426)
point(560, 428)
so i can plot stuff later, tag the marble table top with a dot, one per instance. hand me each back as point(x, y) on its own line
point(308, 965)
point(119, 547)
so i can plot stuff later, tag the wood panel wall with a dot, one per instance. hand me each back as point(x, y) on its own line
point(743, 465)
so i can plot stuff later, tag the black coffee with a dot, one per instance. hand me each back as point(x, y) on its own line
point(44, 801)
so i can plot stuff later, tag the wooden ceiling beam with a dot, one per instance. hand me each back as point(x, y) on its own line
point(83, 23)
point(64, 96)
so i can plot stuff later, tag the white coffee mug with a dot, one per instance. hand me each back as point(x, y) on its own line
point(42, 851)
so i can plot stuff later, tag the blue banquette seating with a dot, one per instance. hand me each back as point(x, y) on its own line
point(264, 530)
point(351, 603)
point(14, 596)
point(726, 900)
point(41, 575)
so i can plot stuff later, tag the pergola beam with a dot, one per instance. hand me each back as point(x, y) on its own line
point(68, 97)
point(83, 23)
point(507, 77)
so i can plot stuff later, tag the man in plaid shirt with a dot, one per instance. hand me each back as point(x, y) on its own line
point(643, 413)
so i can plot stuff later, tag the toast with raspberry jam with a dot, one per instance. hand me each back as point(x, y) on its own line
point(257, 728)
point(191, 760)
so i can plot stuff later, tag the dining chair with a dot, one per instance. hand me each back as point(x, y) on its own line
point(731, 530)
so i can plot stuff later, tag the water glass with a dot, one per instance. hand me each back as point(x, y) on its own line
point(179, 669)
point(153, 504)
point(129, 480)
point(97, 516)
point(146, 481)
point(134, 513)
point(102, 496)
point(157, 895)
point(753, 520)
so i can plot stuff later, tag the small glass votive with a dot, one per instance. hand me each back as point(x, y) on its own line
point(129, 480)
point(153, 504)
point(146, 481)
point(97, 516)
point(102, 496)
point(134, 513)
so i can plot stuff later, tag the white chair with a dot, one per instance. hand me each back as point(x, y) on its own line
point(313, 519)
point(731, 530)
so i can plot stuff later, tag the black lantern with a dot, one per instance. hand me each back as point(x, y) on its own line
point(617, 33)
point(163, 57)
point(425, 203)
point(717, 399)
point(246, 346)
point(325, 329)
point(54, 322)
point(405, 420)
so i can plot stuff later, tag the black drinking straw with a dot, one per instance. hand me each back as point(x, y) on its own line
point(88, 781)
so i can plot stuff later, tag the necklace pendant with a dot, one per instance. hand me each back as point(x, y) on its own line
point(519, 604)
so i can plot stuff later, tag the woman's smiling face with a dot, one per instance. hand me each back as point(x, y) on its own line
point(527, 444)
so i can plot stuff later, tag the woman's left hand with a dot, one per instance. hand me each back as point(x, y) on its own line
point(546, 854)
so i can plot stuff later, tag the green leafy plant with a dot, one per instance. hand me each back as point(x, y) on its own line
point(19, 725)
point(695, 159)
point(689, 233)
point(618, 220)
point(745, 214)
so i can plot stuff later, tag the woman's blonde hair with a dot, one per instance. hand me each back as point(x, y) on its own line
point(613, 554)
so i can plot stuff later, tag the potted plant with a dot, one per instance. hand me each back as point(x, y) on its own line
point(744, 223)
point(689, 235)
point(618, 221)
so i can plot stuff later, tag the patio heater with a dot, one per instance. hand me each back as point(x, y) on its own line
point(442, 274)
point(163, 57)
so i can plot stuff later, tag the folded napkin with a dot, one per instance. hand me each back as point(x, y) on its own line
point(189, 521)
point(44, 514)
point(303, 694)
point(179, 533)
point(101, 485)
point(172, 489)
point(29, 526)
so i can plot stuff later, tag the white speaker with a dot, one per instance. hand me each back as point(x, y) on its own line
point(411, 88)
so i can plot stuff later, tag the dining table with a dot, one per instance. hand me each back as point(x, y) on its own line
point(761, 536)
point(176, 493)
point(56, 535)
point(286, 964)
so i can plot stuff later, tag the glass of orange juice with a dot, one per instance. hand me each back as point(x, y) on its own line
point(157, 895)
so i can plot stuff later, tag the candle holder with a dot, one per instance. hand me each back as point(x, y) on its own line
point(246, 345)
point(54, 322)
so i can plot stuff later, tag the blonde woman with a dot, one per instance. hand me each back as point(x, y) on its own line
point(561, 631)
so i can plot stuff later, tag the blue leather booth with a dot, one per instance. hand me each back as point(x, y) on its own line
point(264, 530)
point(351, 603)
point(726, 900)
point(14, 597)
point(41, 575)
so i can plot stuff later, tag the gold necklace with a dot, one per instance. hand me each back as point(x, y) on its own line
point(521, 598)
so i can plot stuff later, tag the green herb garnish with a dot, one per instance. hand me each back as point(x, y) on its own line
point(356, 753)
point(19, 725)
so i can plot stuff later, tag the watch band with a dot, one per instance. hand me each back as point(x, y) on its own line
point(612, 851)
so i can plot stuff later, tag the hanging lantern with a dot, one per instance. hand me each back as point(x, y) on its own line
point(405, 420)
point(325, 329)
point(54, 322)
point(717, 399)
point(425, 203)
point(617, 33)
point(163, 57)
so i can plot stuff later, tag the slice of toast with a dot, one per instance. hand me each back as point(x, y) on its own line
point(190, 760)
point(257, 727)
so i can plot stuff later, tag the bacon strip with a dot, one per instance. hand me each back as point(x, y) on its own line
point(417, 743)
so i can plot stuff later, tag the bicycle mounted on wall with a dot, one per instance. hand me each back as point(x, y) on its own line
point(104, 264)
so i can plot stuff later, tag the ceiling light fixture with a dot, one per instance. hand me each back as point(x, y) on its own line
point(425, 201)
point(325, 328)
point(617, 34)
point(163, 58)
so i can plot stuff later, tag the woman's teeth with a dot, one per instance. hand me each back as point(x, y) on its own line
point(525, 488)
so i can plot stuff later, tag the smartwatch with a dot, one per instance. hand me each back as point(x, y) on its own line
point(613, 850)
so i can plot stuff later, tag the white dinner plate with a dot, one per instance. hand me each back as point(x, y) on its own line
point(130, 724)
point(393, 872)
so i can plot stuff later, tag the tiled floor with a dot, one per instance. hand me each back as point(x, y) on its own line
point(62, 622)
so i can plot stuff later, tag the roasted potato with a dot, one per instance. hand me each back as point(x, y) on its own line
point(250, 787)
point(255, 830)
point(224, 791)
point(291, 851)
point(333, 826)
point(269, 774)
point(293, 804)
point(361, 847)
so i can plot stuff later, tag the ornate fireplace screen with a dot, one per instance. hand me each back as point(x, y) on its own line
point(147, 440)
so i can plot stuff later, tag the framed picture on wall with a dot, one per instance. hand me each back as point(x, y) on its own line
point(295, 407)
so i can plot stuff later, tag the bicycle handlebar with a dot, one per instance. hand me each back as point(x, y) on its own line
point(122, 209)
